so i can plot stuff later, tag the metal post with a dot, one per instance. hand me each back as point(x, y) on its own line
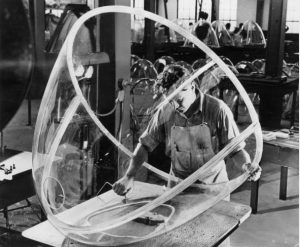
point(283, 182)
point(259, 12)
point(177, 9)
point(37, 14)
point(1, 142)
point(254, 196)
point(293, 110)
point(29, 109)
point(149, 31)
point(276, 35)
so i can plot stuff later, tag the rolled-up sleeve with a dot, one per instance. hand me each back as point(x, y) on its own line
point(154, 133)
point(227, 128)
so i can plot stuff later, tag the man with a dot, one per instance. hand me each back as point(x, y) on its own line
point(194, 127)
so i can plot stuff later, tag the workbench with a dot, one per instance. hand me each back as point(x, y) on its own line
point(208, 229)
point(282, 152)
point(18, 184)
point(285, 153)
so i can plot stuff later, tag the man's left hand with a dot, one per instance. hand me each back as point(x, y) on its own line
point(253, 170)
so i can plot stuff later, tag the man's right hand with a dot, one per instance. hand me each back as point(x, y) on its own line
point(123, 185)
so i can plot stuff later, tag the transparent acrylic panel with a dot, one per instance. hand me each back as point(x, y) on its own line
point(164, 35)
point(226, 60)
point(246, 67)
point(162, 62)
point(142, 103)
point(71, 179)
point(133, 59)
point(288, 69)
point(198, 63)
point(250, 34)
point(260, 64)
point(222, 33)
point(142, 69)
point(184, 65)
point(70, 14)
point(181, 23)
point(59, 96)
point(204, 31)
point(80, 153)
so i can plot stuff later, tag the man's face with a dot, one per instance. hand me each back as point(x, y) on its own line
point(184, 99)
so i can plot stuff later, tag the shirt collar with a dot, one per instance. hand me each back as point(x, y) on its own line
point(199, 98)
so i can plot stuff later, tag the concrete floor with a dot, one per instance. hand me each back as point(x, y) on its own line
point(275, 224)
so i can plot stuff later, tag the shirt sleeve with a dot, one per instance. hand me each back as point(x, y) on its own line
point(227, 128)
point(154, 133)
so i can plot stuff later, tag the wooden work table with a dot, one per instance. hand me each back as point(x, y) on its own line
point(12, 187)
point(282, 152)
point(285, 153)
point(18, 185)
point(208, 229)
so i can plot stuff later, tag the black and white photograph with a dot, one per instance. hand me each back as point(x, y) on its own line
point(149, 123)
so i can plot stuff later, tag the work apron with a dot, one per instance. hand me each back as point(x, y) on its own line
point(191, 148)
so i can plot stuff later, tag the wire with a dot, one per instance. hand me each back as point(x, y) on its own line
point(119, 99)
point(97, 195)
point(108, 113)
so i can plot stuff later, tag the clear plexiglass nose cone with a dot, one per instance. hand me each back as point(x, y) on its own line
point(86, 133)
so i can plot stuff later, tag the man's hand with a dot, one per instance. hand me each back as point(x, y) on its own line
point(253, 170)
point(123, 185)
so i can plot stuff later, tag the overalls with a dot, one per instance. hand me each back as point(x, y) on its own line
point(191, 148)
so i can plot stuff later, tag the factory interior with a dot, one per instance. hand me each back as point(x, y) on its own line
point(83, 89)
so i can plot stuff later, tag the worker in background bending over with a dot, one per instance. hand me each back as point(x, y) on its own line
point(194, 127)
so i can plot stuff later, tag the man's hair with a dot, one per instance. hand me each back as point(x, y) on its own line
point(172, 74)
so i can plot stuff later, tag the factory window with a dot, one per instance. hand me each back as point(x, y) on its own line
point(139, 4)
point(228, 11)
point(292, 16)
point(186, 10)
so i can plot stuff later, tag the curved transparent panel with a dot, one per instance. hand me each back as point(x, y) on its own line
point(250, 34)
point(164, 35)
point(184, 65)
point(99, 109)
point(143, 68)
point(181, 23)
point(69, 16)
point(293, 70)
point(133, 59)
point(226, 60)
point(162, 62)
point(246, 67)
point(222, 33)
point(204, 31)
point(260, 65)
point(289, 70)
